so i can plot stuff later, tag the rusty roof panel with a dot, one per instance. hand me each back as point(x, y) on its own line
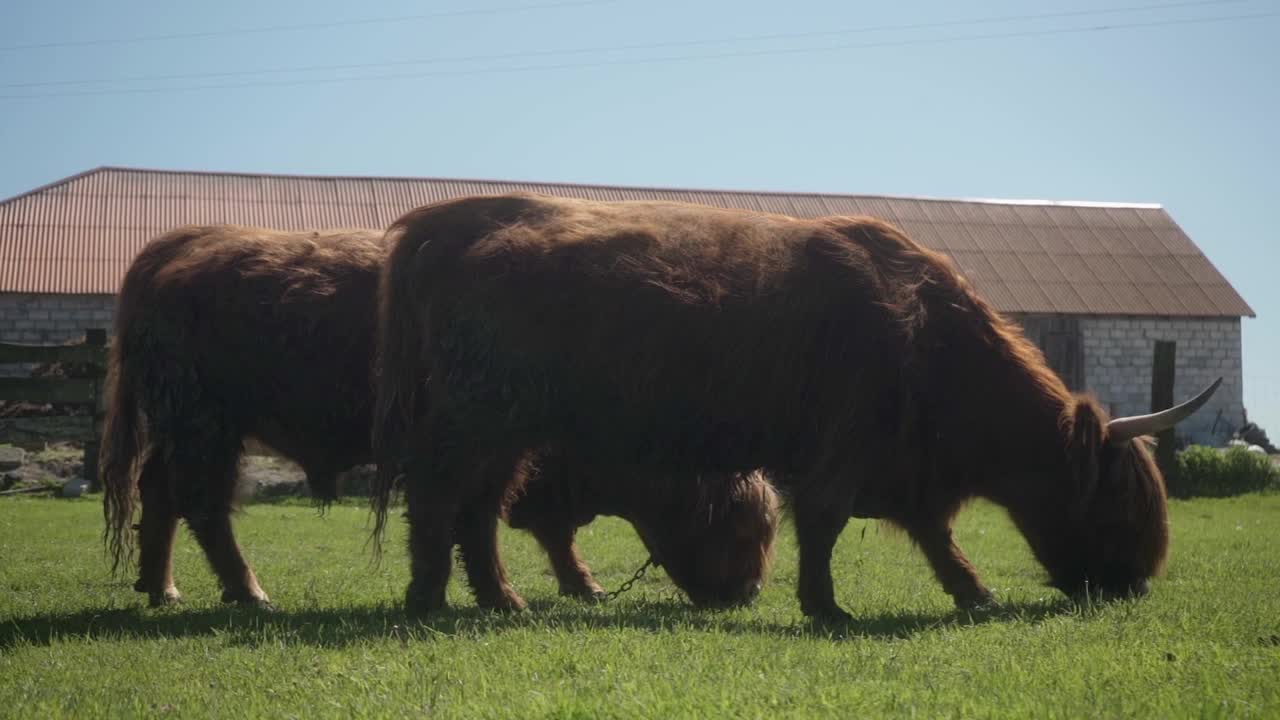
point(1042, 267)
point(1097, 298)
point(1136, 268)
point(78, 235)
point(1155, 218)
point(1029, 297)
point(975, 266)
point(1224, 297)
point(1176, 242)
point(1008, 266)
point(969, 214)
point(958, 237)
point(1094, 217)
point(1015, 238)
point(1144, 241)
point(1083, 241)
point(1168, 270)
point(876, 207)
point(1064, 297)
point(998, 214)
point(987, 237)
point(909, 209)
point(1064, 217)
point(999, 296)
point(1105, 269)
point(1125, 219)
point(1162, 296)
point(774, 204)
point(1200, 270)
point(940, 213)
point(1128, 295)
point(930, 235)
point(1114, 240)
point(1193, 297)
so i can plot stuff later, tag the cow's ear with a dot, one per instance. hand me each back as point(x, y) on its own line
point(1085, 429)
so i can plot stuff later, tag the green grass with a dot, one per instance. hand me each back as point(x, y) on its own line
point(75, 643)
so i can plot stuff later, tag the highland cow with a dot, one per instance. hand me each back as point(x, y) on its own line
point(226, 333)
point(859, 369)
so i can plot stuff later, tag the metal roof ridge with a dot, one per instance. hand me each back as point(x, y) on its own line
point(608, 186)
point(56, 183)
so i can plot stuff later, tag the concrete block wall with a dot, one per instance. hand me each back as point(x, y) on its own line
point(50, 319)
point(1118, 353)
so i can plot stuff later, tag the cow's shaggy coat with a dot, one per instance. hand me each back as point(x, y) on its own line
point(856, 367)
point(227, 332)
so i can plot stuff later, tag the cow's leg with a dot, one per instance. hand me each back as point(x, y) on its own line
point(477, 535)
point(950, 566)
point(435, 481)
point(214, 533)
point(572, 573)
point(156, 532)
point(547, 509)
point(207, 495)
point(818, 525)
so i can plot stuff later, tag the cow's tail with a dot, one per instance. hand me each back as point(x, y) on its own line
point(399, 384)
point(423, 247)
point(121, 448)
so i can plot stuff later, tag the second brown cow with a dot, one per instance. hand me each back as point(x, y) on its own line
point(228, 332)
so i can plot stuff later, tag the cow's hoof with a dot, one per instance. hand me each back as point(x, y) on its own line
point(247, 599)
point(984, 601)
point(169, 597)
point(508, 602)
point(158, 598)
point(585, 594)
point(419, 601)
point(833, 615)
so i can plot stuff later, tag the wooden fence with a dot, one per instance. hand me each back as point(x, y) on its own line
point(87, 361)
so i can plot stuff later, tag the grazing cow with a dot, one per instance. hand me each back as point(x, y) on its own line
point(225, 333)
point(855, 367)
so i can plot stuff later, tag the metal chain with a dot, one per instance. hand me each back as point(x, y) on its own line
point(627, 585)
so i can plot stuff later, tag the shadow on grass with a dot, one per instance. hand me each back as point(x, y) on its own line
point(340, 627)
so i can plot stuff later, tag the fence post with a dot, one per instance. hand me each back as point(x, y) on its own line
point(1162, 378)
point(95, 337)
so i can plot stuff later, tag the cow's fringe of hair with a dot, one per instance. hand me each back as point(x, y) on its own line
point(397, 360)
point(120, 455)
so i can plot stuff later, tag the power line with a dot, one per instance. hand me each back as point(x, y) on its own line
point(617, 48)
point(305, 26)
point(654, 60)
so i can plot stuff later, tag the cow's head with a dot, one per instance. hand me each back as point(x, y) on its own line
point(715, 544)
point(1111, 535)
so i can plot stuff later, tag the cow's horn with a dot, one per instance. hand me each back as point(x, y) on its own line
point(1126, 428)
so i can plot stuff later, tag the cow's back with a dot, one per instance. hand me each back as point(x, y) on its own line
point(656, 332)
point(272, 329)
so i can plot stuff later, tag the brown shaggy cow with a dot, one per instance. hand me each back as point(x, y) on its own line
point(226, 332)
point(857, 368)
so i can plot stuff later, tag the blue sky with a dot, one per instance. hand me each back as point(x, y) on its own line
point(1169, 104)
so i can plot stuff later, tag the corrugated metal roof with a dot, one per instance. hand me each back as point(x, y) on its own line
point(78, 235)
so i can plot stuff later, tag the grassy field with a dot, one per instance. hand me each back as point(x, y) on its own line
point(74, 642)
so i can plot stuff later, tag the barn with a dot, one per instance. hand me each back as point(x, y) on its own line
point(1096, 285)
